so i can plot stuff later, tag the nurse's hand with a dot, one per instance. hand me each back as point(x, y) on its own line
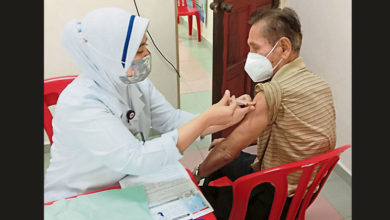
point(222, 112)
point(242, 111)
point(245, 97)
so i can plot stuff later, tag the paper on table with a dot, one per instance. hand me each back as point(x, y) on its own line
point(189, 207)
point(128, 203)
point(171, 193)
point(168, 183)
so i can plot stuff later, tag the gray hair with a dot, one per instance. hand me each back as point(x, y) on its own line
point(279, 22)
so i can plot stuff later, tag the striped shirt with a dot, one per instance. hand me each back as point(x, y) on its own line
point(302, 121)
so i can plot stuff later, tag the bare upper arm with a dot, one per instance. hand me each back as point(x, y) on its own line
point(250, 127)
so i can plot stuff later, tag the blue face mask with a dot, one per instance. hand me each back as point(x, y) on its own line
point(141, 69)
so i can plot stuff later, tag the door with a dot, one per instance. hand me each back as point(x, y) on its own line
point(230, 34)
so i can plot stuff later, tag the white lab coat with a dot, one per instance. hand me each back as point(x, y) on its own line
point(94, 145)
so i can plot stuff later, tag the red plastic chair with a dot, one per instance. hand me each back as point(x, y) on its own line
point(52, 89)
point(243, 186)
point(183, 10)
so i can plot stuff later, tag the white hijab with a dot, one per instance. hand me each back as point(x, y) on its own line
point(97, 43)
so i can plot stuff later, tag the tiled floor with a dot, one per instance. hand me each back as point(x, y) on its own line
point(334, 202)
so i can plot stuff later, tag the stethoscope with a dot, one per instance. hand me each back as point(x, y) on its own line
point(130, 115)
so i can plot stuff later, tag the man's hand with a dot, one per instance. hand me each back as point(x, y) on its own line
point(215, 142)
point(197, 177)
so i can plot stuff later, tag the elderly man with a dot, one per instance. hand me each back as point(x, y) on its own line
point(294, 117)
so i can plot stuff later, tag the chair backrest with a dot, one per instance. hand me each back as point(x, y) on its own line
point(52, 89)
point(182, 4)
point(277, 176)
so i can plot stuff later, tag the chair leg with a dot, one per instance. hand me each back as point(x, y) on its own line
point(190, 24)
point(198, 26)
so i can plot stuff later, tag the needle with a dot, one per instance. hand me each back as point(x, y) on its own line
point(243, 103)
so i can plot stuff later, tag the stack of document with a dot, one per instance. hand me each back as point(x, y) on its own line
point(171, 194)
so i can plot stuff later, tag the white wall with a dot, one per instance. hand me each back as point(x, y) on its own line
point(162, 27)
point(207, 31)
point(327, 51)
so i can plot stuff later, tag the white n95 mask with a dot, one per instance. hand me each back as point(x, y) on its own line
point(141, 69)
point(258, 67)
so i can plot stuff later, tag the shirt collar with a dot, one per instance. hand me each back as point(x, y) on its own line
point(290, 67)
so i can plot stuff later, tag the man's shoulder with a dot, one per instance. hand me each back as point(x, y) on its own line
point(302, 79)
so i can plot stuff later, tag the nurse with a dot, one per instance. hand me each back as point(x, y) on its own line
point(103, 118)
